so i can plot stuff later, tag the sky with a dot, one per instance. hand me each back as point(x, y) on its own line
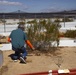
point(37, 5)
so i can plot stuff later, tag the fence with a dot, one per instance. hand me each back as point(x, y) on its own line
point(7, 28)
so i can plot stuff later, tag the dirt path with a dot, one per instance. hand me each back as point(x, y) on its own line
point(40, 63)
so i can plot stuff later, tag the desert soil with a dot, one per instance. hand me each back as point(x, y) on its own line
point(40, 62)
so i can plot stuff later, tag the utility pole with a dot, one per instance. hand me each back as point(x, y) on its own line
point(4, 22)
point(64, 21)
point(19, 15)
point(64, 17)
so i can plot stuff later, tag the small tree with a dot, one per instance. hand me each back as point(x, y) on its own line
point(43, 32)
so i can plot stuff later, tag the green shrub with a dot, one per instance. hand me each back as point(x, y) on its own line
point(70, 33)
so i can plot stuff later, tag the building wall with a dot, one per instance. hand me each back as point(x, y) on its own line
point(1, 58)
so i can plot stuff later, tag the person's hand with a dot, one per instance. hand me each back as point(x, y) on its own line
point(33, 48)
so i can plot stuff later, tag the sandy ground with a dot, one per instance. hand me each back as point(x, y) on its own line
point(40, 62)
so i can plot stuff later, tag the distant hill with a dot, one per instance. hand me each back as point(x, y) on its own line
point(67, 11)
point(21, 14)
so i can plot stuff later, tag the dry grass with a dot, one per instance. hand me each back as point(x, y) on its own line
point(3, 69)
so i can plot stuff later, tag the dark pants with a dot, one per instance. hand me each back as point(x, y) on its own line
point(19, 52)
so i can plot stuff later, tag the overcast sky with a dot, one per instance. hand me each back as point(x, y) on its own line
point(37, 5)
